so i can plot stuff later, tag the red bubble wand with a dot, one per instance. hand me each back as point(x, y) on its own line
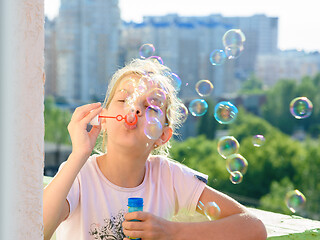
point(96, 120)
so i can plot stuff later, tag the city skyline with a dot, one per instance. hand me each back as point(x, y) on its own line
point(296, 22)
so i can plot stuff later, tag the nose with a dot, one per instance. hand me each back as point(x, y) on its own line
point(136, 110)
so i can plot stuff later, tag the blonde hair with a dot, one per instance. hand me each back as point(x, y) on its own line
point(162, 75)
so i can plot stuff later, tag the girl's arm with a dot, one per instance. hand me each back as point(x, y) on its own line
point(235, 223)
point(55, 205)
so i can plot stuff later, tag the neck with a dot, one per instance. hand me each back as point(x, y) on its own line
point(123, 167)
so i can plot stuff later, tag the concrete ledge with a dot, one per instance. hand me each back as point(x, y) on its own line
point(279, 226)
point(46, 180)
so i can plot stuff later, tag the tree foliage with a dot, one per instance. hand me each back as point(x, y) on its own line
point(252, 85)
point(207, 125)
point(276, 109)
point(281, 164)
point(56, 122)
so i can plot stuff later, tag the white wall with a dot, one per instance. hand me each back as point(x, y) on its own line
point(21, 118)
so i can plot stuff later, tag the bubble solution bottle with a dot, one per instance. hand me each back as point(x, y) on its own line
point(134, 205)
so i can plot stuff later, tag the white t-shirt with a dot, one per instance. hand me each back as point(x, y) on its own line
point(97, 206)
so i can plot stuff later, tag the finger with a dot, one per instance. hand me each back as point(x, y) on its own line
point(139, 215)
point(82, 111)
point(95, 130)
point(132, 225)
point(133, 234)
point(91, 115)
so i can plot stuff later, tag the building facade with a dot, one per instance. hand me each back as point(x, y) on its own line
point(185, 44)
point(87, 43)
point(291, 64)
point(50, 52)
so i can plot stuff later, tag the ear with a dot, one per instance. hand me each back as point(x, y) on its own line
point(165, 136)
point(103, 120)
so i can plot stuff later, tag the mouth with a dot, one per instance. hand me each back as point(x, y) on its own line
point(131, 121)
point(130, 127)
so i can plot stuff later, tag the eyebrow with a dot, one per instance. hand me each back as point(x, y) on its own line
point(122, 91)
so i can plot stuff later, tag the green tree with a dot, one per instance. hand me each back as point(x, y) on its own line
point(279, 158)
point(207, 125)
point(56, 122)
point(275, 200)
point(252, 85)
point(307, 179)
point(201, 154)
point(276, 109)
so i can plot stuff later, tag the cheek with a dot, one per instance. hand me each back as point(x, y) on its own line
point(114, 109)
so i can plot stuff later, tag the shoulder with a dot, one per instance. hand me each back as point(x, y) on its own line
point(173, 168)
point(165, 163)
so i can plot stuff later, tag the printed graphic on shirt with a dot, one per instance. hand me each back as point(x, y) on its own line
point(111, 230)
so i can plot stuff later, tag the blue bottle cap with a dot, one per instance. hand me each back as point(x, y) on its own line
point(135, 202)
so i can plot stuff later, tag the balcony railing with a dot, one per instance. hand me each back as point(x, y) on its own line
point(279, 226)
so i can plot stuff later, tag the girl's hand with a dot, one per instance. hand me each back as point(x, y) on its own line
point(83, 141)
point(149, 227)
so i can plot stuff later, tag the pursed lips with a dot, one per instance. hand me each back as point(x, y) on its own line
point(130, 127)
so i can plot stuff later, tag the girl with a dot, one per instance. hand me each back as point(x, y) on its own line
point(88, 197)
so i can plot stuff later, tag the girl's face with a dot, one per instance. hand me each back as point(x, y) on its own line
point(141, 98)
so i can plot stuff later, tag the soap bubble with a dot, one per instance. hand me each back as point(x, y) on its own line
point(130, 118)
point(176, 81)
point(153, 129)
point(227, 146)
point(153, 112)
point(212, 211)
point(301, 107)
point(183, 113)
point(198, 107)
point(236, 162)
point(233, 52)
point(145, 83)
point(236, 177)
point(258, 140)
point(295, 200)
point(217, 57)
point(233, 37)
point(204, 88)
point(130, 102)
point(146, 51)
point(233, 41)
point(156, 97)
point(127, 84)
point(225, 112)
point(156, 59)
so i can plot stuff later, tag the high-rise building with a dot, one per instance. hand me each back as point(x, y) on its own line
point(87, 48)
point(261, 38)
point(50, 52)
point(185, 44)
point(290, 64)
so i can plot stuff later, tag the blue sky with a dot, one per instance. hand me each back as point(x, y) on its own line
point(299, 21)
